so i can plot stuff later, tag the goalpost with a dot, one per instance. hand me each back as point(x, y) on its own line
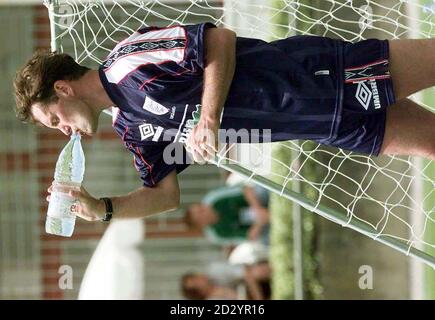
point(371, 196)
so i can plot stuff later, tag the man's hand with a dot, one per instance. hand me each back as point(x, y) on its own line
point(140, 203)
point(87, 207)
point(202, 143)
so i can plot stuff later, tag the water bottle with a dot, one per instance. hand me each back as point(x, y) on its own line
point(70, 169)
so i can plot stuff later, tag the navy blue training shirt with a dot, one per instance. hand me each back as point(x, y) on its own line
point(292, 87)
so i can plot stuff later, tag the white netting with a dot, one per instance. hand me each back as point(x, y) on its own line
point(379, 191)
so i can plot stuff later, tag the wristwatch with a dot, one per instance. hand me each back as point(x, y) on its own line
point(109, 209)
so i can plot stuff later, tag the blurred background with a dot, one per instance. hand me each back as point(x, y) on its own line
point(296, 255)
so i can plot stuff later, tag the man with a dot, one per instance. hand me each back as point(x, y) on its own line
point(222, 280)
point(200, 286)
point(232, 215)
point(346, 95)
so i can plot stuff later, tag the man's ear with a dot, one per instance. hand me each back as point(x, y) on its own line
point(63, 88)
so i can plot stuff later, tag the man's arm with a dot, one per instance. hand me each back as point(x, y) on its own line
point(253, 285)
point(220, 62)
point(261, 212)
point(140, 203)
point(165, 196)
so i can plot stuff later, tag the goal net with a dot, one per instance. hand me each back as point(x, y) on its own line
point(390, 199)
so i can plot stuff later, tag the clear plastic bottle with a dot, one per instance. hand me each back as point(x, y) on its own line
point(70, 169)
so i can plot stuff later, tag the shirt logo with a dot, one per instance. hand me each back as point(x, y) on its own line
point(183, 133)
point(364, 94)
point(154, 107)
point(147, 130)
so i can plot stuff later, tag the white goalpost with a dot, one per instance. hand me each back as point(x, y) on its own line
point(389, 199)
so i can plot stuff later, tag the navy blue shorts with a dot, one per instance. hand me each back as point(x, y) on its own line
point(368, 90)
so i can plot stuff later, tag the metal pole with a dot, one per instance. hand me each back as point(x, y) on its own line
point(320, 209)
point(298, 267)
point(330, 214)
point(52, 5)
point(416, 269)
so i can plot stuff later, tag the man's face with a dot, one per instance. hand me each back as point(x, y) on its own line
point(67, 114)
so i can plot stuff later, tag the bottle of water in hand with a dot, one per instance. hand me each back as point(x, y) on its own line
point(70, 169)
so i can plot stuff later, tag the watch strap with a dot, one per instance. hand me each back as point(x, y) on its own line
point(109, 209)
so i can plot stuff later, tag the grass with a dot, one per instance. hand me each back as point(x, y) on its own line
point(429, 275)
point(281, 252)
point(281, 238)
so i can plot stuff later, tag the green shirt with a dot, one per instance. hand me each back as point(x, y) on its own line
point(231, 207)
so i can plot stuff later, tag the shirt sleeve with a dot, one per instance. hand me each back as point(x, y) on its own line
point(186, 43)
point(155, 161)
point(153, 53)
point(194, 59)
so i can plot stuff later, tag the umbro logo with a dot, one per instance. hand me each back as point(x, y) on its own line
point(147, 130)
point(364, 94)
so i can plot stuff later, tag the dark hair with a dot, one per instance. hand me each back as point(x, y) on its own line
point(192, 293)
point(34, 82)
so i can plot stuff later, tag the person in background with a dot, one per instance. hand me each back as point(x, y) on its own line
point(199, 286)
point(222, 280)
point(231, 215)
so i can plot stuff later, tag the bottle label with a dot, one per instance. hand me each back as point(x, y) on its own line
point(60, 205)
point(70, 167)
